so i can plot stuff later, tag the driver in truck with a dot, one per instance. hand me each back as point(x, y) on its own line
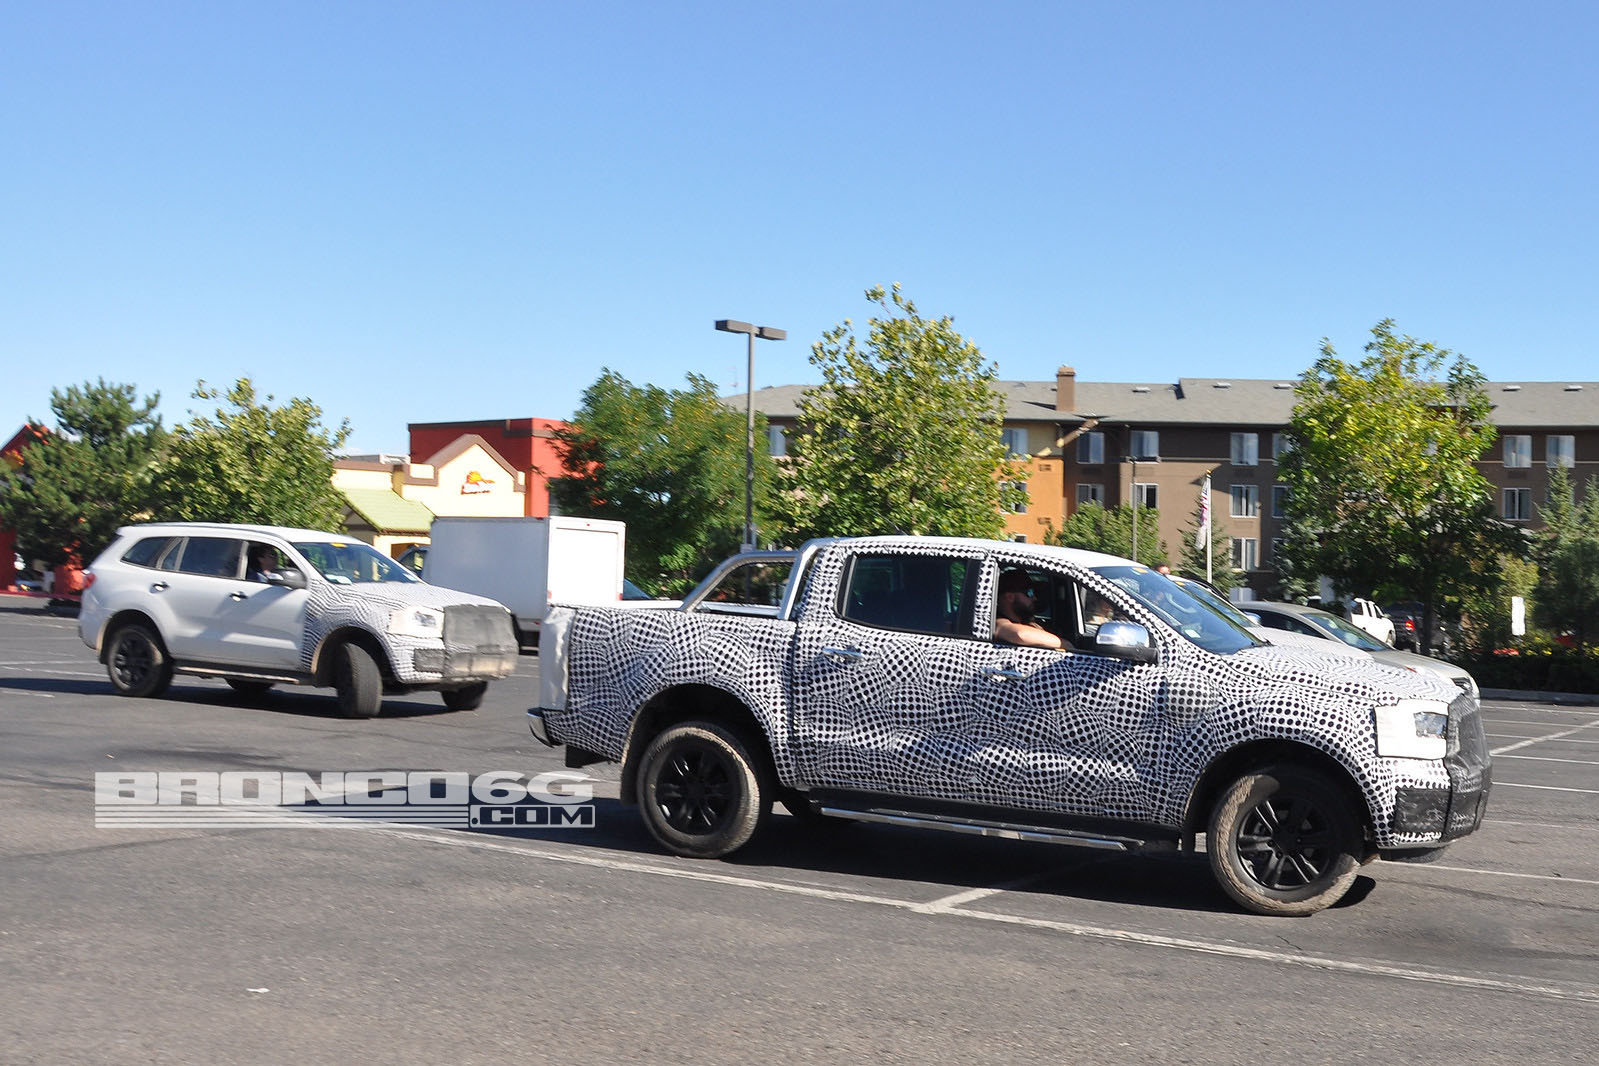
point(1014, 622)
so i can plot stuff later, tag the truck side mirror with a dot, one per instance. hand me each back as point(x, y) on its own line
point(292, 578)
point(1126, 640)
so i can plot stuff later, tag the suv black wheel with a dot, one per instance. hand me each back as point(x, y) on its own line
point(137, 663)
point(358, 681)
point(700, 791)
point(1282, 841)
point(469, 698)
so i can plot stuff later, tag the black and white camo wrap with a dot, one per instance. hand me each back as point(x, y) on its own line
point(330, 607)
point(916, 715)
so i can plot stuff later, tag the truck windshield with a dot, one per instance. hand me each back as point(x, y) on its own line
point(350, 562)
point(1188, 615)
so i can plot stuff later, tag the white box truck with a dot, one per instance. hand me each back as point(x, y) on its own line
point(529, 563)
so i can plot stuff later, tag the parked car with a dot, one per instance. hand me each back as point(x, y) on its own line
point(1314, 622)
point(260, 606)
point(867, 679)
point(1368, 616)
point(1407, 618)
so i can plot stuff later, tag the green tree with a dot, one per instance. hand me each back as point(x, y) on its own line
point(1093, 527)
point(1485, 609)
point(70, 489)
point(669, 463)
point(1568, 556)
point(253, 462)
point(903, 436)
point(1382, 483)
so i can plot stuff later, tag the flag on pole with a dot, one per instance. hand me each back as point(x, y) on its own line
point(1203, 535)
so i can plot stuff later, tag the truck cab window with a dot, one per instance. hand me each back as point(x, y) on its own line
point(916, 593)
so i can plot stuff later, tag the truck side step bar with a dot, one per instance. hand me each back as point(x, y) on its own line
point(978, 827)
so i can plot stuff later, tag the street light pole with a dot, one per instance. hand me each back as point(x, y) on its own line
point(766, 333)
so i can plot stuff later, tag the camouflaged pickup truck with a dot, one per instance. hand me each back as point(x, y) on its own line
point(861, 679)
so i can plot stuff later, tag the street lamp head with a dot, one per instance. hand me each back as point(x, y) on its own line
point(733, 325)
point(771, 333)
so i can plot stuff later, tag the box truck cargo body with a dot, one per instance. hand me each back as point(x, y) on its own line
point(529, 563)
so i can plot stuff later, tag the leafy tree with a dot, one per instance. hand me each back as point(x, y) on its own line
point(253, 462)
point(1382, 483)
point(1568, 552)
point(1191, 562)
point(1093, 527)
point(1485, 610)
point(904, 434)
point(669, 463)
point(70, 489)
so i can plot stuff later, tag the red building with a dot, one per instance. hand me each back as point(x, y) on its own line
point(528, 444)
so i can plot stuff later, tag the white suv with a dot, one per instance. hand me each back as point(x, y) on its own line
point(263, 605)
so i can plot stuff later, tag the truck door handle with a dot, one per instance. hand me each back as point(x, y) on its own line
point(159, 586)
point(237, 596)
point(843, 654)
point(1003, 673)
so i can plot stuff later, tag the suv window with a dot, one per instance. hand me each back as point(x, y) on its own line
point(920, 593)
point(211, 556)
point(146, 551)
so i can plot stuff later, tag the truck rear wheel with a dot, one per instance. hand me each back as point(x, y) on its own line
point(700, 791)
point(137, 663)
point(1282, 841)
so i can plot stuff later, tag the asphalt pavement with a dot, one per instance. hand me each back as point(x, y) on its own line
point(587, 944)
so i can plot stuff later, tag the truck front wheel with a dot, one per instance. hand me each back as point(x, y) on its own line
point(700, 791)
point(1282, 841)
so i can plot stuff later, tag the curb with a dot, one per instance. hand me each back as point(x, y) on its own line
point(1578, 698)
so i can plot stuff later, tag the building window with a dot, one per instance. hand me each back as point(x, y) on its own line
point(1146, 495)
point(1246, 500)
point(1019, 505)
point(1145, 444)
point(777, 441)
point(1089, 493)
point(1560, 450)
point(1245, 550)
point(1279, 446)
point(1279, 501)
point(1518, 451)
point(1091, 449)
point(1246, 449)
point(1518, 504)
point(1015, 441)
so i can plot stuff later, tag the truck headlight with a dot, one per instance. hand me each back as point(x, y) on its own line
point(421, 622)
point(1413, 729)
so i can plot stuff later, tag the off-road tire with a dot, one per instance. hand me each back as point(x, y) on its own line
point(1284, 841)
point(701, 791)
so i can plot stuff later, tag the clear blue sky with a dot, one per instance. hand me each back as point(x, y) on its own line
point(416, 212)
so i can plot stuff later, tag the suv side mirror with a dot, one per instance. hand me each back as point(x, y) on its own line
point(1126, 640)
point(293, 579)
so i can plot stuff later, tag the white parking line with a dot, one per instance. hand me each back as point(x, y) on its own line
point(1518, 736)
point(1545, 758)
point(1539, 740)
point(1512, 873)
point(1546, 788)
point(1126, 936)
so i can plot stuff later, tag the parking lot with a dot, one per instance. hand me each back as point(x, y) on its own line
point(816, 944)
